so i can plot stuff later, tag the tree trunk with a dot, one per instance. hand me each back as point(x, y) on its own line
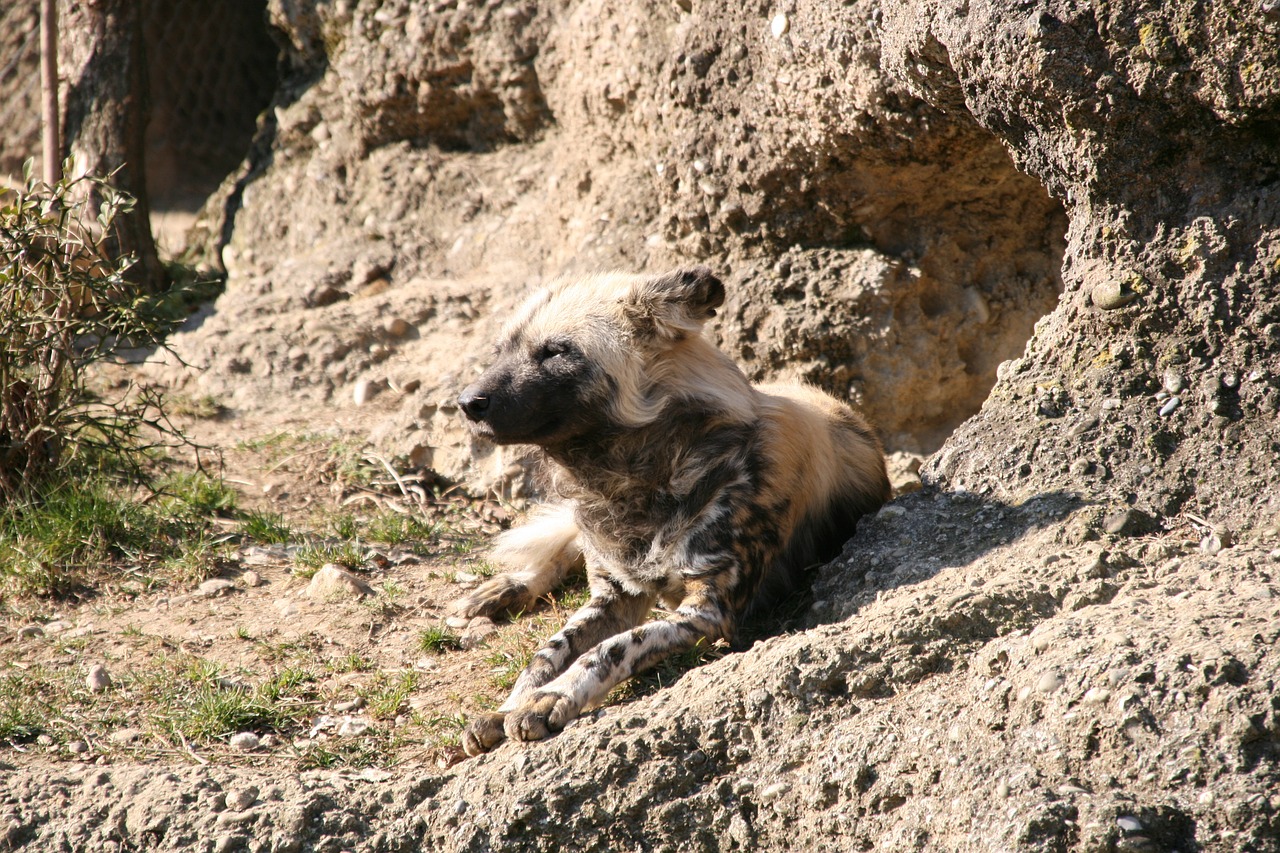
point(106, 117)
point(1153, 388)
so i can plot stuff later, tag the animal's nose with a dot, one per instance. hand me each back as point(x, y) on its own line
point(474, 404)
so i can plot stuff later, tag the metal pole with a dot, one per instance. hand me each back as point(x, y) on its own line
point(51, 143)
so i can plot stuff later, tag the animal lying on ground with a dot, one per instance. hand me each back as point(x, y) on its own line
point(673, 477)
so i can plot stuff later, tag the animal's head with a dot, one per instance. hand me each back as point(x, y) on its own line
point(579, 355)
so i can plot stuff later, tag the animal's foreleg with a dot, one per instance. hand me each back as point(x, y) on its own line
point(589, 679)
point(606, 614)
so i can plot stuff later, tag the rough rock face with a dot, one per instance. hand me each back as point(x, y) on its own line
point(873, 245)
point(1037, 654)
point(1156, 383)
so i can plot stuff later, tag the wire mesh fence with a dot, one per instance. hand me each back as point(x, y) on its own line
point(212, 68)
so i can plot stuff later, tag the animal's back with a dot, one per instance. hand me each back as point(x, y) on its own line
point(826, 465)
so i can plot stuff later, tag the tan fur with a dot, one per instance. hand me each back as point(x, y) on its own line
point(677, 481)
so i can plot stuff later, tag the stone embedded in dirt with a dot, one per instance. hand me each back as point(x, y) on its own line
point(457, 622)
point(478, 631)
point(366, 389)
point(215, 587)
point(350, 705)
point(332, 581)
point(1212, 544)
point(325, 294)
point(251, 578)
point(354, 726)
point(77, 747)
point(1128, 522)
point(1112, 295)
point(398, 327)
point(245, 741)
point(239, 799)
point(27, 631)
point(1050, 682)
point(126, 736)
point(466, 577)
point(98, 678)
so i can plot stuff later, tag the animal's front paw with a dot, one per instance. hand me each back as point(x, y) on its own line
point(540, 716)
point(494, 596)
point(483, 733)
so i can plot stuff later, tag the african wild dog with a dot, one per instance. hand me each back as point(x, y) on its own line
point(677, 481)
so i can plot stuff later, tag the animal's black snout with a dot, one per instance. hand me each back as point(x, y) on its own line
point(474, 404)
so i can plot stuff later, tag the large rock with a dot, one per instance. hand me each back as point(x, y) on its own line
point(1155, 124)
point(873, 244)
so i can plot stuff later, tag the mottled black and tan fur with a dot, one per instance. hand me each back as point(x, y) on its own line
point(676, 480)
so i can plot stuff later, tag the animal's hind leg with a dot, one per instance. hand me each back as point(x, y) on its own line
point(538, 555)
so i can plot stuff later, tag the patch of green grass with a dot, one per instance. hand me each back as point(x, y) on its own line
point(395, 529)
point(345, 526)
point(205, 407)
point(200, 559)
point(22, 715)
point(192, 699)
point(438, 639)
point(269, 528)
point(197, 494)
point(388, 694)
point(444, 732)
point(47, 547)
point(315, 554)
point(351, 662)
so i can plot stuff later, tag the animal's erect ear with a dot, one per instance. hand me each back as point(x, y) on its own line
point(675, 304)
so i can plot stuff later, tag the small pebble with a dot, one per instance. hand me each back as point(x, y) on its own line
point(466, 577)
point(240, 799)
point(1211, 544)
point(365, 391)
point(1111, 295)
point(779, 25)
point(1049, 682)
point(1002, 789)
point(332, 581)
point(28, 631)
point(1173, 381)
point(98, 678)
point(1171, 405)
point(1129, 823)
point(77, 747)
point(478, 631)
point(457, 621)
point(771, 793)
point(350, 705)
point(1111, 403)
point(353, 727)
point(1097, 695)
point(215, 587)
point(398, 327)
point(245, 741)
point(251, 578)
point(126, 736)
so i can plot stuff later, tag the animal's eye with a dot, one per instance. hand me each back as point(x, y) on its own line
point(553, 349)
